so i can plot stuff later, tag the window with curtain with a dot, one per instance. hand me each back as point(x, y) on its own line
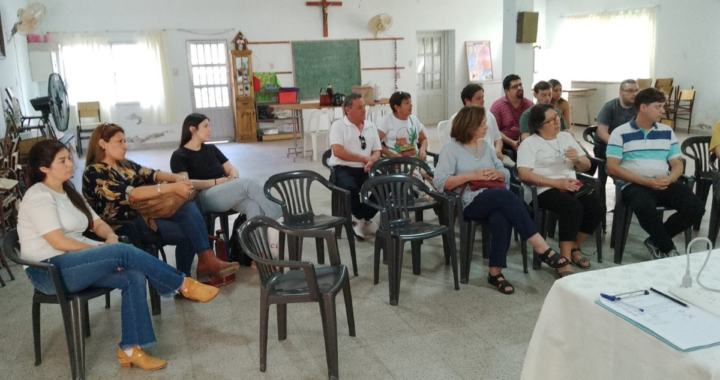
point(608, 46)
point(118, 73)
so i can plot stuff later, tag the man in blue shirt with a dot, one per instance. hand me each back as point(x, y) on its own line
point(646, 154)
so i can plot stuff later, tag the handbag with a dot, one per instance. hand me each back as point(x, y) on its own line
point(163, 206)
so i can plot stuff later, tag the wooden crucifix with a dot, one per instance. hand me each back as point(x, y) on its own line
point(325, 5)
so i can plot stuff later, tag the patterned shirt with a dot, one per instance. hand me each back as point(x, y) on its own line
point(508, 117)
point(107, 190)
point(645, 153)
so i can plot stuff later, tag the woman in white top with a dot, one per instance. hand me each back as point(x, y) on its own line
point(52, 219)
point(401, 133)
point(548, 159)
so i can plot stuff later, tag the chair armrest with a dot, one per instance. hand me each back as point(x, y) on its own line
point(435, 157)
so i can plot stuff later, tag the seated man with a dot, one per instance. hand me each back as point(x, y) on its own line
point(474, 95)
point(507, 111)
point(614, 114)
point(401, 133)
point(355, 147)
point(542, 91)
point(646, 155)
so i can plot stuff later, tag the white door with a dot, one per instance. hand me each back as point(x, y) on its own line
point(210, 91)
point(430, 77)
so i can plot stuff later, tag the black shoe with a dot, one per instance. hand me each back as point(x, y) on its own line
point(654, 252)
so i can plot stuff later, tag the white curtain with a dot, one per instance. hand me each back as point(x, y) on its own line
point(608, 46)
point(93, 68)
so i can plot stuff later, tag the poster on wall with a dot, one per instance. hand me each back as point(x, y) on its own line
point(479, 60)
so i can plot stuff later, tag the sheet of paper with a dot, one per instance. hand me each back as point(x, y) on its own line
point(685, 327)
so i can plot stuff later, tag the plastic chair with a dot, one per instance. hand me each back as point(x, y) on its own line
point(377, 112)
point(589, 136)
point(443, 128)
point(303, 284)
point(622, 217)
point(72, 305)
point(294, 191)
point(313, 129)
point(698, 149)
point(395, 196)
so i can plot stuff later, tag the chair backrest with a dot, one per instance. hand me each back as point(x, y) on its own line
point(316, 121)
point(669, 122)
point(88, 112)
point(294, 191)
point(686, 95)
point(399, 165)
point(664, 85)
point(395, 194)
point(644, 83)
point(589, 134)
point(11, 246)
point(377, 112)
point(697, 148)
point(443, 128)
point(325, 157)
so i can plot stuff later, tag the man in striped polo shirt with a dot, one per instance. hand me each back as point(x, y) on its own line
point(646, 154)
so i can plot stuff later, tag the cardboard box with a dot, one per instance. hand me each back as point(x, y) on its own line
point(366, 92)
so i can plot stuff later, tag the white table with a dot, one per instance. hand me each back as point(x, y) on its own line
point(576, 339)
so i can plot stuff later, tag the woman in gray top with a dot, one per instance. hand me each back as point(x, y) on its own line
point(466, 158)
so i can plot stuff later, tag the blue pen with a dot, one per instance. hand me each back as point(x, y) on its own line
point(618, 300)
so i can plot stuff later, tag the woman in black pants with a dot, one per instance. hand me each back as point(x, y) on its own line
point(548, 159)
point(467, 158)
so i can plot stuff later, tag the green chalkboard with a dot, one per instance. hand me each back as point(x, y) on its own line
point(319, 63)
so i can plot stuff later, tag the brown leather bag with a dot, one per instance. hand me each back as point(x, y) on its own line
point(163, 206)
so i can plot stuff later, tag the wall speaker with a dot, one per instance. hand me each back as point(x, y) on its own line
point(527, 26)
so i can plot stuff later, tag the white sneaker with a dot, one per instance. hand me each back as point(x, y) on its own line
point(358, 225)
point(370, 227)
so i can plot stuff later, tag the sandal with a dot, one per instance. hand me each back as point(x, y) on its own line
point(564, 273)
point(555, 261)
point(583, 262)
point(501, 285)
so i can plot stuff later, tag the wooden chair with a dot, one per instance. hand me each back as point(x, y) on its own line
point(669, 122)
point(644, 83)
point(684, 106)
point(665, 85)
point(88, 119)
point(18, 122)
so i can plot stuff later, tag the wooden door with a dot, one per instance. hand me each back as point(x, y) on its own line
point(431, 77)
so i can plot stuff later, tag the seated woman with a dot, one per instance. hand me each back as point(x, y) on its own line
point(111, 182)
point(558, 102)
point(52, 220)
point(548, 159)
point(401, 133)
point(214, 177)
point(467, 158)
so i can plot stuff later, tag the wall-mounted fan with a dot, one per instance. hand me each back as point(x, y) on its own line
point(55, 106)
point(29, 19)
point(380, 23)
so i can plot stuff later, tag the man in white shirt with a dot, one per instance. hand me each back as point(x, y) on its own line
point(402, 133)
point(474, 95)
point(355, 147)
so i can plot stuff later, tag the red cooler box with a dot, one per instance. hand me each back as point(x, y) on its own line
point(288, 95)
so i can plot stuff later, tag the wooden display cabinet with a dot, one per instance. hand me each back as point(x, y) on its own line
point(244, 94)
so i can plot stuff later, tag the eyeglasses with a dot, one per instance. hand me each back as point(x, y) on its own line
point(552, 120)
point(516, 86)
point(363, 144)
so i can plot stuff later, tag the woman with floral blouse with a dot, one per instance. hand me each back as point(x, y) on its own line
point(111, 182)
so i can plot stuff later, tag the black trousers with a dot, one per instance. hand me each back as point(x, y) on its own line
point(574, 214)
point(352, 179)
point(643, 200)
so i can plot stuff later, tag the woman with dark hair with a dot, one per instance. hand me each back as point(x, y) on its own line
point(111, 182)
point(548, 159)
point(214, 177)
point(467, 158)
point(52, 220)
point(401, 133)
point(558, 102)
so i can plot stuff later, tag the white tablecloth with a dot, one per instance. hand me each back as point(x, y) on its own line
point(576, 339)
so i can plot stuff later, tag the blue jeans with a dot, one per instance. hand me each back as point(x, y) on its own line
point(185, 230)
point(504, 210)
point(98, 267)
point(244, 195)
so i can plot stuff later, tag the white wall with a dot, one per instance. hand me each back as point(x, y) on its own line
point(686, 43)
point(283, 20)
point(15, 67)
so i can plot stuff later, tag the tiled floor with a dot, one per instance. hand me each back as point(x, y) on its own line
point(435, 332)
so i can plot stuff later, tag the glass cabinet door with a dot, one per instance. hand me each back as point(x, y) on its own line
point(243, 76)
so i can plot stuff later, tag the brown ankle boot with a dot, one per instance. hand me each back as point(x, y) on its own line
point(209, 264)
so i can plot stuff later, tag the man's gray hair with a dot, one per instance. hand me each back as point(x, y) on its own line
point(350, 99)
point(626, 82)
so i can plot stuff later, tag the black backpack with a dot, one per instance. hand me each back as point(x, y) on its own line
point(236, 251)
